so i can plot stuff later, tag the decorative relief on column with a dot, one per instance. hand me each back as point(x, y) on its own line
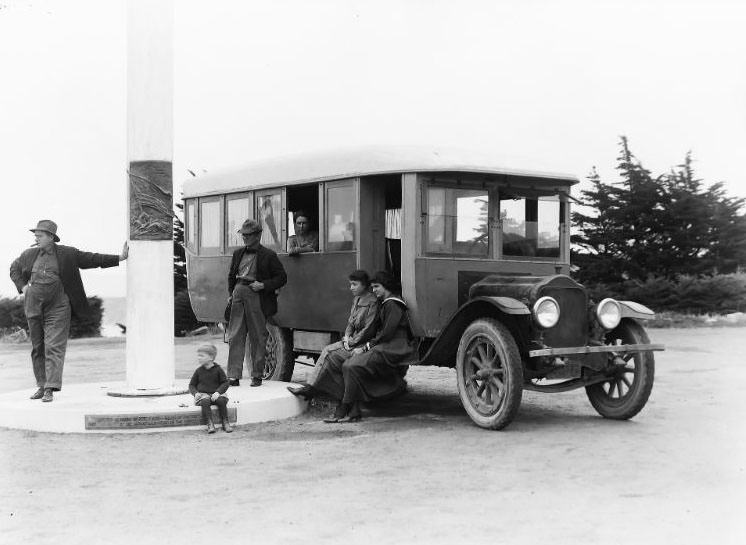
point(151, 200)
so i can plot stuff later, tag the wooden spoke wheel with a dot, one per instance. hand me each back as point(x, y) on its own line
point(279, 360)
point(630, 381)
point(489, 373)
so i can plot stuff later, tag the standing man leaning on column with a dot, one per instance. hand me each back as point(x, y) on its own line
point(48, 278)
point(255, 274)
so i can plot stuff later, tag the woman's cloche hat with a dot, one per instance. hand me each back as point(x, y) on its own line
point(48, 226)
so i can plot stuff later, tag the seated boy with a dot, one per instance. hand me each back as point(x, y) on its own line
point(208, 386)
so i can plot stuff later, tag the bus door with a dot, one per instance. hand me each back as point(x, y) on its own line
point(380, 224)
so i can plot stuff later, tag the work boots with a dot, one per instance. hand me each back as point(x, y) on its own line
point(227, 428)
point(210, 425)
point(38, 394)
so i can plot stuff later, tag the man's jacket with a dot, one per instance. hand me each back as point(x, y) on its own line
point(70, 261)
point(269, 270)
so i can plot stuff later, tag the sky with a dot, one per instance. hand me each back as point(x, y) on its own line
point(554, 82)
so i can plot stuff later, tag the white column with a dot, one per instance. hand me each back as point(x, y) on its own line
point(150, 292)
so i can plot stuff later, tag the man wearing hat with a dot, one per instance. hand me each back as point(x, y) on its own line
point(47, 276)
point(255, 275)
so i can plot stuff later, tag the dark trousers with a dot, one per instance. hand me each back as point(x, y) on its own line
point(334, 353)
point(48, 314)
point(246, 319)
point(206, 406)
point(362, 377)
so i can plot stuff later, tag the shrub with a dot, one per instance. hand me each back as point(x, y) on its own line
point(718, 294)
point(12, 317)
point(184, 318)
point(90, 326)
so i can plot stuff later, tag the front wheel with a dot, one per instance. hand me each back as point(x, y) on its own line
point(489, 373)
point(628, 388)
point(279, 359)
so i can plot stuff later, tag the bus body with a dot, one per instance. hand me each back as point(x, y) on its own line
point(471, 240)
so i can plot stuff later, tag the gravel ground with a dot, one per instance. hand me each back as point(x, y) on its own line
point(415, 470)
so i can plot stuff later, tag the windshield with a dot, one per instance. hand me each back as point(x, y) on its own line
point(531, 226)
point(492, 222)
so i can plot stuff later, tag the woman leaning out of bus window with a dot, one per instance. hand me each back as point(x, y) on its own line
point(361, 327)
point(375, 369)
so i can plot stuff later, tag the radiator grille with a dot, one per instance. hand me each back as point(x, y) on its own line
point(572, 329)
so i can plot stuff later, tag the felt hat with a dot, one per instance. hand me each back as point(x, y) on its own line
point(48, 226)
point(250, 227)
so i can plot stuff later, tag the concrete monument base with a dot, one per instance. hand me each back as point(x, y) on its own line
point(87, 408)
point(147, 392)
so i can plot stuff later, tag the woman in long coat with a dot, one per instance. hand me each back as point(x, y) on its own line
point(374, 371)
point(361, 327)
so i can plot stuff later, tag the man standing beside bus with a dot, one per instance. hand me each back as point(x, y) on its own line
point(255, 275)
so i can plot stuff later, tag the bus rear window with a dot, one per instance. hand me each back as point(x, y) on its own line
point(190, 225)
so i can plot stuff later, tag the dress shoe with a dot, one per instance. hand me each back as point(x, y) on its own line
point(48, 396)
point(256, 382)
point(354, 414)
point(306, 392)
point(234, 382)
point(38, 394)
point(227, 428)
point(210, 427)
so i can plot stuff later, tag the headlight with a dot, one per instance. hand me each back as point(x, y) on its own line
point(546, 312)
point(609, 313)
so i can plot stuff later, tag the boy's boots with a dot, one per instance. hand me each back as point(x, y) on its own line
point(227, 428)
point(210, 425)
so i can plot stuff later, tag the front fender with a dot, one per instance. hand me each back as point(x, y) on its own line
point(508, 305)
point(636, 311)
point(443, 350)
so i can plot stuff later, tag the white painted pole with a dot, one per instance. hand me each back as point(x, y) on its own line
point(150, 292)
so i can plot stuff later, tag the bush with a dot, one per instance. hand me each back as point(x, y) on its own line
point(90, 326)
point(719, 294)
point(11, 314)
point(184, 318)
point(13, 317)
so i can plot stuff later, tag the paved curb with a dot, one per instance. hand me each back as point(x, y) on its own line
point(86, 408)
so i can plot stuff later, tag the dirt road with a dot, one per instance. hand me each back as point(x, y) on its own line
point(416, 471)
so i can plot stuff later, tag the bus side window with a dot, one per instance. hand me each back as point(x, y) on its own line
point(303, 201)
point(341, 223)
point(210, 225)
point(237, 210)
point(457, 221)
point(269, 212)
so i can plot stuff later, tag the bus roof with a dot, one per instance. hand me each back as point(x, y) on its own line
point(353, 162)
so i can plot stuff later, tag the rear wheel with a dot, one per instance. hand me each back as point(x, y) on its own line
point(628, 388)
point(279, 360)
point(489, 373)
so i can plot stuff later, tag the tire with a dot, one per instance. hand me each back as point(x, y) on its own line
point(628, 388)
point(491, 400)
point(279, 360)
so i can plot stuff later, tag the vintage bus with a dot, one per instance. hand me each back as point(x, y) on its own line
point(482, 252)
